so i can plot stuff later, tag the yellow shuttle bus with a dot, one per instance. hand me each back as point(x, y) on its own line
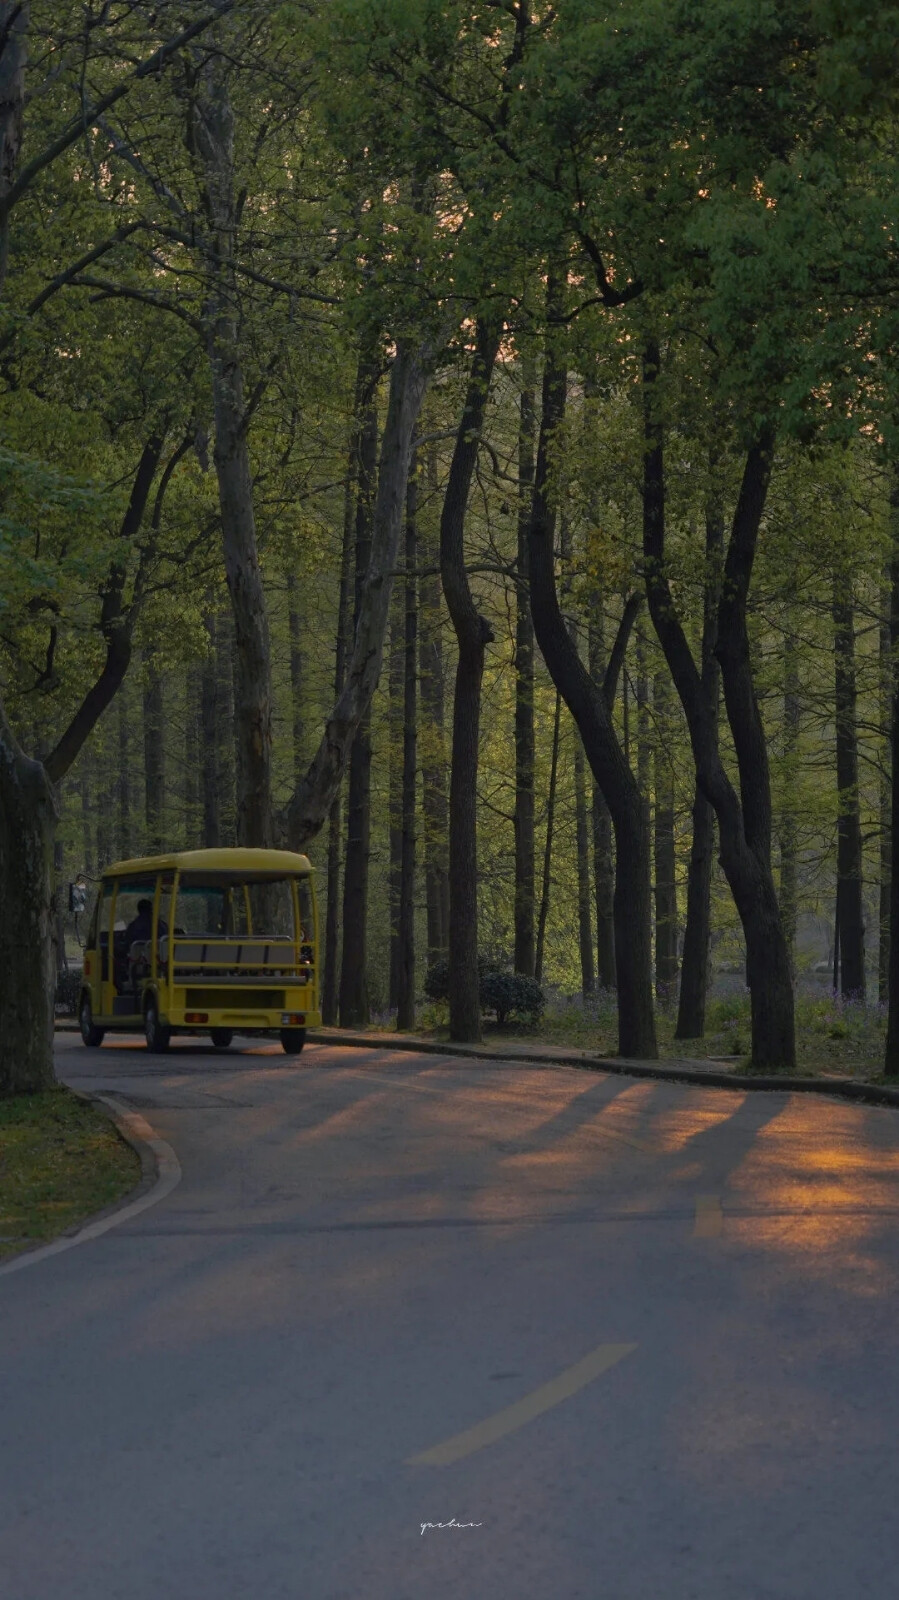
point(203, 941)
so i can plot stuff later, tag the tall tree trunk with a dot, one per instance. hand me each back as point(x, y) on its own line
point(891, 1053)
point(210, 725)
point(330, 969)
point(744, 822)
point(849, 831)
point(396, 677)
point(546, 882)
point(123, 781)
point(886, 842)
point(212, 128)
point(603, 861)
point(582, 848)
point(297, 676)
point(154, 758)
point(473, 634)
point(59, 910)
point(788, 829)
point(435, 801)
point(525, 953)
point(28, 817)
point(191, 756)
point(591, 711)
point(405, 1006)
point(354, 1004)
point(664, 856)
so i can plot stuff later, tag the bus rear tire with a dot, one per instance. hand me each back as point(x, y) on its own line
point(90, 1033)
point(157, 1036)
point(292, 1040)
point(221, 1037)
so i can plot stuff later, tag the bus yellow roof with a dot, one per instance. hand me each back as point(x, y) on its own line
point(275, 861)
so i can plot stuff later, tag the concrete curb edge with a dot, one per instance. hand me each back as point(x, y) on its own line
point(835, 1088)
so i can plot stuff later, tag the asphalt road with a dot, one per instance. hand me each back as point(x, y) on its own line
point(631, 1341)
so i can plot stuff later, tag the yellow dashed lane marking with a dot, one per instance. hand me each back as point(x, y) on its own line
point(709, 1217)
point(515, 1416)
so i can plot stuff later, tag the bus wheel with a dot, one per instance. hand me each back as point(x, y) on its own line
point(221, 1037)
point(157, 1036)
point(292, 1040)
point(90, 1033)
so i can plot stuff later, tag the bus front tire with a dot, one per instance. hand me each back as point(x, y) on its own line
point(157, 1035)
point(292, 1040)
point(221, 1037)
point(90, 1033)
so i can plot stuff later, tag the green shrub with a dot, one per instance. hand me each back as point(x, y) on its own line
point(500, 992)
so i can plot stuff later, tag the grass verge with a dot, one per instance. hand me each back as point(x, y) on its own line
point(60, 1161)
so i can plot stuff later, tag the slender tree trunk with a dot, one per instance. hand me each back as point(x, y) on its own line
point(788, 828)
point(210, 724)
point(330, 974)
point(603, 862)
point(59, 910)
point(886, 853)
point(472, 635)
point(591, 711)
point(354, 1004)
point(546, 883)
point(435, 801)
point(891, 1054)
point(297, 675)
point(665, 862)
point(744, 822)
point(154, 758)
point(396, 671)
point(123, 781)
point(849, 831)
point(191, 756)
point(405, 1013)
point(525, 953)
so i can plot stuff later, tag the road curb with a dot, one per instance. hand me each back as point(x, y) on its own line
point(160, 1174)
point(834, 1088)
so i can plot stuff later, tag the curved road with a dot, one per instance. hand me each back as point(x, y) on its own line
point(624, 1340)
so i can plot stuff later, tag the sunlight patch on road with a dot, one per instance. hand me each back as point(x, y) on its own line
point(709, 1217)
point(525, 1410)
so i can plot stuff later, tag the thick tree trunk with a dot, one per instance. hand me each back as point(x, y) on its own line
point(435, 801)
point(354, 1003)
point(472, 635)
point(849, 831)
point(546, 881)
point(590, 709)
point(28, 818)
point(744, 823)
point(405, 1011)
point(297, 674)
point(663, 844)
point(525, 953)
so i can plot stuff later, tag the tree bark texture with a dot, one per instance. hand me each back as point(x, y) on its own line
point(886, 708)
point(525, 951)
point(788, 826)
point(546, 879)
point(396, 664)
point(663, 844)
point(435, 799)
point(405, 1005)
point(850, 915)
point(744, 821)
point(473, 634)
point(603, 860)
point(589, 707)
point(209, 725)
point(354, 1003)
point(154, 758)
point(28, 817)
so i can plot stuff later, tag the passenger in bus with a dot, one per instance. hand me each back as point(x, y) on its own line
point(141, 926)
